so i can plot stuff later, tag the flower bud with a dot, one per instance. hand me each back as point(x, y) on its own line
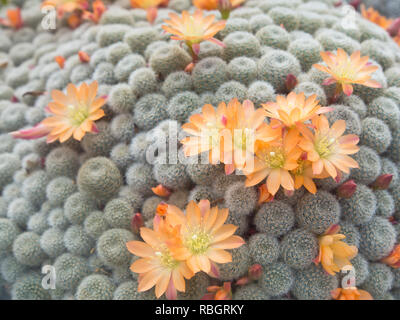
point(291, 82)
point(137, 223)
point(347, 189)
point(382, 182)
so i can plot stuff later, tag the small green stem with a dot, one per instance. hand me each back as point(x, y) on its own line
point(225, 14)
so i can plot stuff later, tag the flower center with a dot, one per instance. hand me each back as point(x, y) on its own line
point(275, 158)
point(324, 146)
point(300, 169)
point(198, 241)
point(166, 259)
point(78, 114)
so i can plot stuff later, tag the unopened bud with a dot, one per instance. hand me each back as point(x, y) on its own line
point(394, 28)
point(347, 189)
point(355, 3)
point(224, 5)
point(137, 223)
point(291, 82)
point(255, 271)
point(382, 182)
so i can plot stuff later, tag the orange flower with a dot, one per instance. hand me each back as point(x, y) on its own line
point(350, 294)
point(393, 259)
point(334, 254)
point(223, 292)
point(264, 195)
point(161, 191)
point(161, 209)
point(204, 237)
point(294, 109)
point(150, 6)
point(74, 114)
point(66, 6)
point(206, 130)
point(98, 8)
point(224, 6)
point(372, 15)
point(157, 267)
point(327, 149)
point(13, 20)
point(303, 175)
point(247, 127)
point(60, 60)
point(345, 71)
point(193, 29)
point(274, 160)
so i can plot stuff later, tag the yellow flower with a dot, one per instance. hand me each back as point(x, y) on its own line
point(334, 254)
point(204, 236)
point(274, 160)
point(294, 109)
point(350, 294)
point(157, 267)
point(327, 148)
point(193, 29)
point(74, 113)
point(345, 71)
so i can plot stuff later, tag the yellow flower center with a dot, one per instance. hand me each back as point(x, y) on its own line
point(78, 114)
point(198, 241)
point(300, 169)
point(325, 146)
point(274, 158)
point(243, 137)
point(166, 259)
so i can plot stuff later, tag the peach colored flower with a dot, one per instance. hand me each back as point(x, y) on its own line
point(374, 16)
point(224, 6)
point(205, 130)
point(73, 114)
point(327, 148)
point(393, 259)
point(247, 127)
point(346, 71)
point(204, 236)
point(350, 294)
point(274, 161)
point(13, 20)
point(157, 267)
point(193, 29)
point(334, 254)
point(303, 175)
point(150, 6)
point(294, 109)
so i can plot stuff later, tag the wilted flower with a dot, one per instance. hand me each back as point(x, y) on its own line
point(334, 254)
point(98, 8)
point(219, 293)
point(393, 259)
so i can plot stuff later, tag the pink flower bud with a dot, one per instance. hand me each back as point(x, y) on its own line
point(291, 82)
point(382, 182)
point(355, 3)
point(255, 271)
point(394, 28)
point(347, 189)
point(137, 223)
